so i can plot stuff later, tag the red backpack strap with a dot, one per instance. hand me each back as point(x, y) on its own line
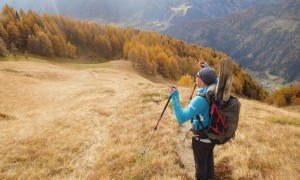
point(220, 118)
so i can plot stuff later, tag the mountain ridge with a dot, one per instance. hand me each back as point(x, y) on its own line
point(264, 38)
point(145, 14)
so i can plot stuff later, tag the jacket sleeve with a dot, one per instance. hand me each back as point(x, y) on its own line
point(189, 112)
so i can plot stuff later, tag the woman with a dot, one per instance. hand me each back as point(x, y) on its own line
point(198, 110)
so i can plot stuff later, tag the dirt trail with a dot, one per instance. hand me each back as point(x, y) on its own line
point(184, 148)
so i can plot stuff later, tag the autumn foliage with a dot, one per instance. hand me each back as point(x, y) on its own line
point(186, 80)
point(285, 96)
point(153, 53)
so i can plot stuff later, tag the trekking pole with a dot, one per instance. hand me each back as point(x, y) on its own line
point(155, 128)
point(193, 92)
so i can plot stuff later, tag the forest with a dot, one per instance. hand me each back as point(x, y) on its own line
point(154, 54)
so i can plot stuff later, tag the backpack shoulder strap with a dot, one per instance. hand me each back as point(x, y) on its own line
point(209, 95)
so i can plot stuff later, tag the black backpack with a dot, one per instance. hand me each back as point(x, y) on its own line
point(224, 117)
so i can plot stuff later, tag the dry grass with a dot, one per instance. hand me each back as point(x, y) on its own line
point(58, 122)
point(263, 149)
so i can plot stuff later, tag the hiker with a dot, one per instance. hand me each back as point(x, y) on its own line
point(201, 145)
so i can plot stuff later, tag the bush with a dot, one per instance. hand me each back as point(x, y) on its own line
point(186, 80)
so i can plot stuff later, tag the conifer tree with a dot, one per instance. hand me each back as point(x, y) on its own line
point(33, 44)
point(59, 45)
point(71, 49)
point(13, 48)
point(13, 34)
point(175, 71)
point(45, 44)
point(3, 49)
point(3, 33)
point(163, 64)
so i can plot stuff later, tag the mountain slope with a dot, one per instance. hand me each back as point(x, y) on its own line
point(152, 53)
point(61, 122)
point(146, 14)
point(265, 38)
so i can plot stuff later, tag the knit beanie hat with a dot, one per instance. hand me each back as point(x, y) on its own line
point(208, 75)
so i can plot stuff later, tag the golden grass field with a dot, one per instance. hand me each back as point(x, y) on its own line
point(65, 121)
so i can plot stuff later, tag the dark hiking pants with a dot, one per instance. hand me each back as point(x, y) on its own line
point(204, 159)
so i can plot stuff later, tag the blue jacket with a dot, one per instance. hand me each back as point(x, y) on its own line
point(198, 106)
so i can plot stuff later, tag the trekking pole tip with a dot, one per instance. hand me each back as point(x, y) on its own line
point(143, 151)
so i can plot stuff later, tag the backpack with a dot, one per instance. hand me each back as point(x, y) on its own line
point(224, 117)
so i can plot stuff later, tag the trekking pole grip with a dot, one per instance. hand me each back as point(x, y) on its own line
point(155, 128)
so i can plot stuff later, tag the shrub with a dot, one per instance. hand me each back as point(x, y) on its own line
point(186, 80)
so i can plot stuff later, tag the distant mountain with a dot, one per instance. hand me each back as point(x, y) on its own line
point(146, 14)
point(264, 38)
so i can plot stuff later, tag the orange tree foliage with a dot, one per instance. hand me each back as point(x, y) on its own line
point(186, 80)
point(285, 96)
point(153, 53)
point(3, 49)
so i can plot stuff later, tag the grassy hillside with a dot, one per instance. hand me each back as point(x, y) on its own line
point(71, 121)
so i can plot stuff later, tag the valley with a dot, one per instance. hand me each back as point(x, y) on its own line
point(267, 81)
point(263, 38)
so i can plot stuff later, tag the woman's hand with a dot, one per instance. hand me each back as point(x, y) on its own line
point(202, 64)
point(171, 88)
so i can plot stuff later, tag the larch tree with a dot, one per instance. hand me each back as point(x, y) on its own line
point(174, 71)
point(3, 33)
point(13, 49)
point(45, 44)
point(3, 49)
point(133, 55)
point(13, 34)
point(33, 44)
point(163, 64)
point(115, 44)
point(59, 45)
point(71, 49)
